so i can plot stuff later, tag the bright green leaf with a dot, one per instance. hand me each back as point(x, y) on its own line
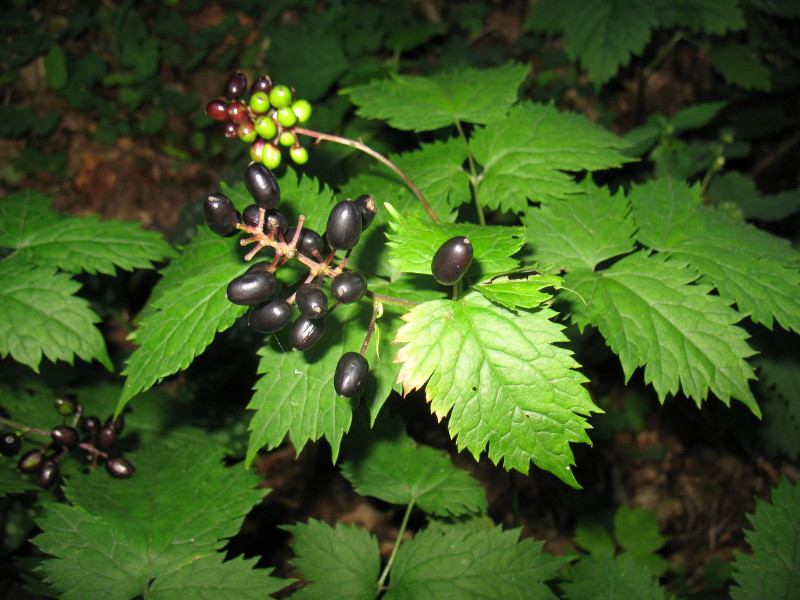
point(426, 103)
point(519, 291)
point(501, 379)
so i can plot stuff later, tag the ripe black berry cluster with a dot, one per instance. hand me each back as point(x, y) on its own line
point(266, 226)
point(267, 120)
point(97, 443)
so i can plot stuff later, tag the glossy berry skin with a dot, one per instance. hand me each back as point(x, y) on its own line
point(452, 260)
point(348, 287)
point(262, 265)
point(287, 139)
point(275, 220)
point(280, 96)
point(247, 131)
point(65, 436)
point(261, 184)
point(118, 424)
point(231, 130)
point(48, 474)
point(65, 407)
point(31, 461)
point(265, 127)
point(221, 216)
point(271, 156)
point(90, 425)
point(259, 102)
point(367, 209)
point(299, 155)
point(344, 226)
point(10, 444)
point(308, 242)
point(270, 317)
point(257, 150)
point(250, 215)
point(311, 301)
point(237, 112)
point(105, 438)
point(262, 84)
point(119, 468)
point(302, 110)
point(306, 332)
point(217, 110)
point(251, 289)
point(351, 372)
point(235, 86)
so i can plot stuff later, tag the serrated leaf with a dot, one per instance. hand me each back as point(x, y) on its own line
point(426, 103)
point(501, 379)
point(708, 16)
point(581, 232)
point(117, 536)
point(696, 116)
point(43, 317)
point(43, 237)
point(386, 463)
point(652, 315)
point(603, 577)
point(414, 242)
point(462, 563)
point(437, 170)
point(778, 382)
point(188, 308)
point(738, 66)
point(772, 571)
point(524, 156)
point(738, 188)
point(519, 292)
point(756, 270)
point(341, 562)
point(594, 537)
point(638, 532)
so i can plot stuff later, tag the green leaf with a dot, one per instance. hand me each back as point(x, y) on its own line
point(43, 317)
point(603, 577)
point(652, 315)
point(55, 68)
point(594, 537)
point(696, 116)
point(414, 242)
point(188, 308)
point(774, 569)
point(387, 464)
point(738, 188)
point(519, 290)
point(756, 270)
point(581, 232)
point(524, 156)
point(341, 562)
point(501, 378)
point(738, 66)
point(44, 237)
point(638, 532)
point(701, 16)
point(437, 171)
point(426, 103)
point(462, 563)
point(780, 8)
point(778, 382)
point(118, 538)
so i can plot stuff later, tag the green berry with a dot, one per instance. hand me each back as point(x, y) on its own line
point(287, 139)
point(280, 96)
point(247, 132)
point(265, 127)
point(286, 117)
point(259, 102)
point(65, 407)
point(271, 156)
point(302, 110)
point(299, 155)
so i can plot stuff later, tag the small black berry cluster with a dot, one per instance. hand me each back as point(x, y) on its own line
point(266, 226)
point(97, 443)
point(267, 120)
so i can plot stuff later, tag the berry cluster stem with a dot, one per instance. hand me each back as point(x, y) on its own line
point(24, 428)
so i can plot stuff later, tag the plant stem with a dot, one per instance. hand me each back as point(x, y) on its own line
point(474, 179)
point(24, 428)
point(396, 546)
point(376, 308)
point(319, 136)
point(392, 300)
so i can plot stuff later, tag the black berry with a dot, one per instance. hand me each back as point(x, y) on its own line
point(262, 185)
point(90, 425)
point(221, 215)
point(31, 461)
point(105, 438)
point(306, 332)
point(250, 215)
point(118, 424)
point(251, 289)
point(308, 242)
point(274, 220)
point(351, 372)
point(344, 226)
point(451, 260)
point(262, 84)
point(367, 209)
point(256, 267)
point(119, 468)
point(235, 86)
point(311, 301)
point(348, 287)
point(270, 317)
point(10, 444)
point(65, 436)
point(48, 474)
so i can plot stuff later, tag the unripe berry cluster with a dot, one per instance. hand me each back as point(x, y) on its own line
point(266, 120)
point(266, 226)
point(97, 443)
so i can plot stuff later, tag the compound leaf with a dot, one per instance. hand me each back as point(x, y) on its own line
point(459, 562)
point(386, 463)
point(426, 103)
point(604, 577)
point(652, 315)
point(75, 244)
point(341, 562)
point(501, 378)
point(115, 537)
point(188, 308)
point(43, 317)
point(748, 266)
point(524, 156)
point(774, 569)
